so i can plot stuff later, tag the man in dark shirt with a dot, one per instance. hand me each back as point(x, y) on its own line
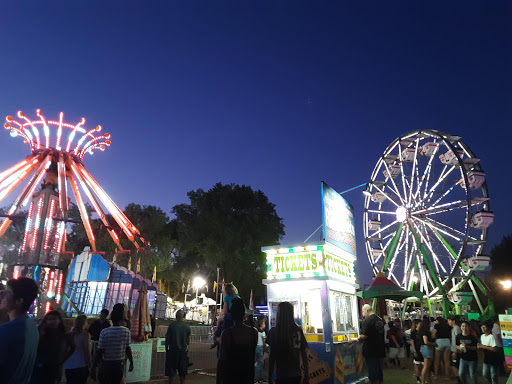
point(176, 345)
point(374, 350)
point(99, 325)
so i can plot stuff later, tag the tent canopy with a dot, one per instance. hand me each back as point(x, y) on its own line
point(383, 288)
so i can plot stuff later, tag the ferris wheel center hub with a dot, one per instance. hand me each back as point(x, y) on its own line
point(402, 214)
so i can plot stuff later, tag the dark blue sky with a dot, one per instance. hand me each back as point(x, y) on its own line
point(278, 95)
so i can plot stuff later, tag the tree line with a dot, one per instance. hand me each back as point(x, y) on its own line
point(223, 227)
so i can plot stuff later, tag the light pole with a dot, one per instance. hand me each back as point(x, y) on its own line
point(198, 283)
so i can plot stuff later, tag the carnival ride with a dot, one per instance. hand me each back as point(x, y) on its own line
point(57, 150)
point(426, 217)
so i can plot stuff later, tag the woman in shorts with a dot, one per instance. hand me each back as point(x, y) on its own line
point(427, 350)
point(442, 334)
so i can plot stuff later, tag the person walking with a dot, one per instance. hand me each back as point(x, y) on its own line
point(467, 349)
point(496, 331)
point(177, 341)
point(490, 368)
point(78, 364)
point(260, 349)
point(374, 350)
point(415, 347)
point(96, 327)
point(237, 349)
point(395, 338)
point(453, 321)
point(427, 350)
point(287, 347)
point(18, 337)
point(113, 348)
point(99, 325)
point(53, 350)
point(442, 335)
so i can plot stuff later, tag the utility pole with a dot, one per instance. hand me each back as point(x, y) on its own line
point(217, 290)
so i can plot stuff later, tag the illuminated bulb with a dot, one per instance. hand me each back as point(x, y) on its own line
point(13, 133)
point(106, 135)
point(9, 118)
point(20, 114)
point(507, 284)
point(98, 128)
point(108, 142)
point(401, 214)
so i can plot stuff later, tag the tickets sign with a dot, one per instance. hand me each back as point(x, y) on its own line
point(296, 262)
point(309, 261)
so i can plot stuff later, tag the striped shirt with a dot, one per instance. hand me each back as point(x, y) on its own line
point(113, 341)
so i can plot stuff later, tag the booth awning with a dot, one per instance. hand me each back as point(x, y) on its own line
point(383, 288)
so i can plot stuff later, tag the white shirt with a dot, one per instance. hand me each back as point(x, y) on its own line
point(386, 329)
point(496, 332)
point(488, 340)
point(261, 336)
point(455, 331)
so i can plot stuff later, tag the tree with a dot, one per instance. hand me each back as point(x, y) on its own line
point(11, 241)
point(226, 226)
point(501, 269)
point(151, 221)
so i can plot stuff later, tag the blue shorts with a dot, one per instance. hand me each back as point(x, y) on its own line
point(443, 345)
point(374, 367)
point(427, 351)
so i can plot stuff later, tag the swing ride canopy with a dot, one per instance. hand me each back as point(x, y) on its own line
point(383, 288)
point(57, 150)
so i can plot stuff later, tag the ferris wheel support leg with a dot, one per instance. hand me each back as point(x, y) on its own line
point(426, 260)
point(489, 310)
point(470, 282)
point(392, 246)
point(446, 307)
point(430, 308)
point(457, 309)
point(403, 309)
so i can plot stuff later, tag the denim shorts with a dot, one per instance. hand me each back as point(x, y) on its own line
point(443, 345)
point(427, 351)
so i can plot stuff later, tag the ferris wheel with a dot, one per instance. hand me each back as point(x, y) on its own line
point(427, 215)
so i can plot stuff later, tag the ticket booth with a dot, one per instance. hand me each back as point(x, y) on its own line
point(319, 280)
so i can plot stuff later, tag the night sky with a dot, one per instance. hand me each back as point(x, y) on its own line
point(278, 95)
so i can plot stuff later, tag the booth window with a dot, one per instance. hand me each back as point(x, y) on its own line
point(342, 312)
point(311, 311)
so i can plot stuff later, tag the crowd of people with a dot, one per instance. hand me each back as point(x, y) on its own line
point(32, 353)
point(438, 347)
point(242, 345)
point(40, 353)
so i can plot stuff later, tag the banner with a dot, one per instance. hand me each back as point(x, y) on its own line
point(338, 220)
point(506, 335)
point(141, 362)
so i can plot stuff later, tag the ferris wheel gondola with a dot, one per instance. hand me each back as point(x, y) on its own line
point(427, 213)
